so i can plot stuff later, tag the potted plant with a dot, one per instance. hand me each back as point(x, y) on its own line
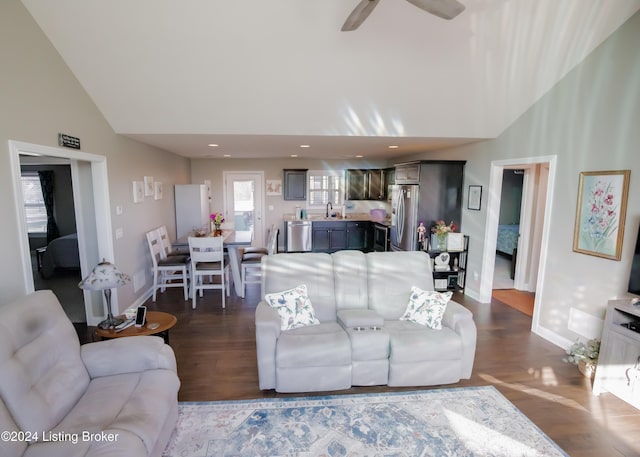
point(585, 356)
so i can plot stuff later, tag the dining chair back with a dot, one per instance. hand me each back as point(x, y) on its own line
point(208, 260)
point(251, 263)
point(165, 242)
point(167, 271)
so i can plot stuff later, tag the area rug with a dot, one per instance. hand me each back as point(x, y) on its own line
point(471, 421)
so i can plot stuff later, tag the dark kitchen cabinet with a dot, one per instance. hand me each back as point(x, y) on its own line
point(365, 184)
point(356, 184)
point(375, 185)
point(295, 184)
point(329, 236)
point(359, 235)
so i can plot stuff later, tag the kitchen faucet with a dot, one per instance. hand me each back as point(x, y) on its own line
point(328, 205)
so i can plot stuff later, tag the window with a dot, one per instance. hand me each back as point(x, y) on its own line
point(325, 186)
point(34, 208)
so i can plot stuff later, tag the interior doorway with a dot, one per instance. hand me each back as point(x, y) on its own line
point(93, 218)
point(244, 203)
point(55, 260)
point(533, 226)
point(508, 228)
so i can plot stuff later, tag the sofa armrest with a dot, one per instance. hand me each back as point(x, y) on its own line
point(127, 355)
point(460, 320)
point(267, 333)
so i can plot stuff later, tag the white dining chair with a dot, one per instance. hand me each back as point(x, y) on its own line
point(251, 261)
point(165, 242)
point(208, 261)
point(167, 271)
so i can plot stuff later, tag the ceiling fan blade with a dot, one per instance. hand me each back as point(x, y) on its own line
point(446, 9)
point(359, 14)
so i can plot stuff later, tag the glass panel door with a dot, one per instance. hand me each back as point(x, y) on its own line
point(244, 203)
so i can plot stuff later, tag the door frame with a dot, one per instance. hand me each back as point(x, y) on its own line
point(491, 225)
point(259, 223)
point(103, 236)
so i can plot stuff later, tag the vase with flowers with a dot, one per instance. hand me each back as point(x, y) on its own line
point(216, 220)
point(441, 229)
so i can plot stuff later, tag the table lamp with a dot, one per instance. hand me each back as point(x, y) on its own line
point(105, 276)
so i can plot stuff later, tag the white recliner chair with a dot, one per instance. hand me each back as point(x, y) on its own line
point(116, 397)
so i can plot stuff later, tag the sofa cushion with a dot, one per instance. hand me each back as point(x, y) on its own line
point(293, 306)
point(391, 276)
point(426, 307)
point(286, 271)
point(325, 344)
point(411, 342)
point(122, 403)
point(43, 376)
point(350, 276)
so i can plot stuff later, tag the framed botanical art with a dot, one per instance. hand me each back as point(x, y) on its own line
point(157, 190)
point(274, 187)
point(455, 242)
point(601, 212)
point(149, 189)
point(138, 191)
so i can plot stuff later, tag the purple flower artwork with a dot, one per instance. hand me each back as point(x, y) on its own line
point(601, 211)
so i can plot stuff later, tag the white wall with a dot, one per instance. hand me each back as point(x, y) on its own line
point(590, 120)
point(39, 97)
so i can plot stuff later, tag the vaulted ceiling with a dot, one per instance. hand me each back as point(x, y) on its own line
point(260, 78)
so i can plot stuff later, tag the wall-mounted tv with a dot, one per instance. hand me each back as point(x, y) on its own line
point(634, 276)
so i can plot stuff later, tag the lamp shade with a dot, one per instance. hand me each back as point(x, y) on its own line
point(105, 275)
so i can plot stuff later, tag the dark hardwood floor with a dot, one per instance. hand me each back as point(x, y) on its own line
point(215, 350)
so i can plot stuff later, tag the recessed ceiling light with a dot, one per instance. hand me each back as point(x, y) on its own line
point(305, 145)
point(393, 146)
point(294, 155)
point(213, 145)
point(227, 155)
point(359, 156)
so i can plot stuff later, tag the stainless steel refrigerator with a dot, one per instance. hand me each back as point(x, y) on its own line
point(427, 191)
point(404, 217)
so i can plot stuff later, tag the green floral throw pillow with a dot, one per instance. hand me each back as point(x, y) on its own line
point(293, 306)
point(426, 307)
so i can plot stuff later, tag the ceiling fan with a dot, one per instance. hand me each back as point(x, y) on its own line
point(446, 9)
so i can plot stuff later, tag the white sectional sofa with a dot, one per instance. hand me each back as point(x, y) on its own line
point(358, 300)
point(61, 399)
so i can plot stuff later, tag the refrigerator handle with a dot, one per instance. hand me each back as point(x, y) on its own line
point(400, 219)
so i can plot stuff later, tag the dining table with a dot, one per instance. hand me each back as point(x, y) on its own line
point(233, 240)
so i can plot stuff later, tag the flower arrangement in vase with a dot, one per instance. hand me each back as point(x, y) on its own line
point(216, 220)
point(440, 230)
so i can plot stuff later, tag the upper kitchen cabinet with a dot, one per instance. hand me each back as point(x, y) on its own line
point(295, 184)
point(408, 173)
point(356, 184)
point(365, 184)
point(389, 178)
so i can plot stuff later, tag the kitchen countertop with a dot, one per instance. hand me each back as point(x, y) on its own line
point(351, 217)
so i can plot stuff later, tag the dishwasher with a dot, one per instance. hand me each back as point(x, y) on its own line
point(299, 236)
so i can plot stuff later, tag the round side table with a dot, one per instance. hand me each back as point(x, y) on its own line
point(165, 322)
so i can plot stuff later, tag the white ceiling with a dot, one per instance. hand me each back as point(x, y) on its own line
point(260, 78)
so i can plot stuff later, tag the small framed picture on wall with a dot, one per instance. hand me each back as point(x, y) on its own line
point(138, 191)
point(149, 190)
point(474, 198)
